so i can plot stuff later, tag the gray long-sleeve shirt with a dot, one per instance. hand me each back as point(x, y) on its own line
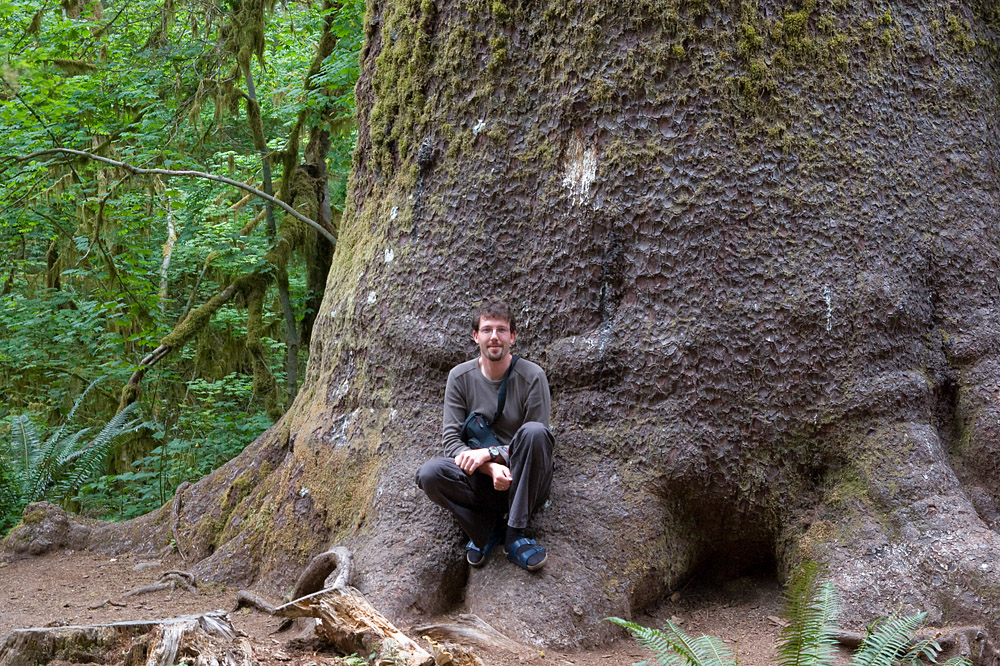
point(469, 391)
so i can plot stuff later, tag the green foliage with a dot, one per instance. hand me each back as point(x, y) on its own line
point(86, 289)
point(890, 637)
point(674, 647)
point(32, 469)
point(205, 436)
point(811, 607)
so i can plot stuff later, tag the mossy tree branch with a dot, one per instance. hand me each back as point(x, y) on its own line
point(171, 173)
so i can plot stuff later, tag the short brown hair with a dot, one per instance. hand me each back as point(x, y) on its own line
point(491, 309)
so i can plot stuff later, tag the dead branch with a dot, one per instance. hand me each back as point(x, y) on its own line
point(246, 598)
point(175, 518)
point(170, 579)
point(346, 619)
point(170, 173)
point(450, 654)
point(106, 602)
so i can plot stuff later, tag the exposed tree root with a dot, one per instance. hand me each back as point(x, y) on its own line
point(171, 580)
point(314, 577)
point(246, 598)
point(471, 629)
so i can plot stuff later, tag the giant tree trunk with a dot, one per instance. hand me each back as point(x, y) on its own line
point(756, 247)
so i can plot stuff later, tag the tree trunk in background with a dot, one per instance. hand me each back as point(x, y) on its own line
point(755, 247)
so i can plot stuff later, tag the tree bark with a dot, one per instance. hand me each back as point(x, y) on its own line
point(755, 247)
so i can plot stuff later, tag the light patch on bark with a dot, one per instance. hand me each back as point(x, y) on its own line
point(828, 298)
point(579, 169)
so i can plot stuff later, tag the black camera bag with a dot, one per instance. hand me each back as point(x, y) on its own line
point(477, 430)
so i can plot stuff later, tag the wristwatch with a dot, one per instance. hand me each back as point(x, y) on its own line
point(494, 453)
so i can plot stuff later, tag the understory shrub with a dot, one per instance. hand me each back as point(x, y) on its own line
point(811, 608)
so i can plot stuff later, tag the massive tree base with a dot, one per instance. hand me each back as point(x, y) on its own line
point(755, 245)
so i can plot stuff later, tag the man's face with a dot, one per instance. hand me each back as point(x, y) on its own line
point(494, 338)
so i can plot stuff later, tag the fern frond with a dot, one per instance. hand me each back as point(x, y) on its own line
point(927, 649)
point(711, 650)
point(61, 464)
point(702, 651)
point(653, 640)
point(51, 462)
point(61, 451)
point(88, 460)
point(57, 435)
point(674, 647)
point(958, 661)
point(888, 640)
point(26, 442)
point(811, 607)
point(11, 485)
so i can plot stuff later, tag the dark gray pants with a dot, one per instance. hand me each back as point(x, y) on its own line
point(473, 499)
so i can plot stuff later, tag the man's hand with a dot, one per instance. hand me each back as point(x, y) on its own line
point(501, 476)
point(469, 461)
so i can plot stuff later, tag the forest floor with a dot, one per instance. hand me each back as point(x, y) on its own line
point(77, 588)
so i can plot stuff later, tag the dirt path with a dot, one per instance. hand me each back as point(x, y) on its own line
point(79, 587)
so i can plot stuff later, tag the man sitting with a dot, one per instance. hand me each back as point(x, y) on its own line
point(494, 490)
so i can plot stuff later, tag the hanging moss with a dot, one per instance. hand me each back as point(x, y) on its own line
point(75, 67)
point(264, 385)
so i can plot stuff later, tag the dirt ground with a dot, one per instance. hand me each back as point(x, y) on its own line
point(78, 588)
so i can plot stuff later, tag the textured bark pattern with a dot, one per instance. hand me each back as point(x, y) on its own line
point(754, 245)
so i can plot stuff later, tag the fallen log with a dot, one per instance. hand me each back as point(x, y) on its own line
point(208, 638)
point(346, 619)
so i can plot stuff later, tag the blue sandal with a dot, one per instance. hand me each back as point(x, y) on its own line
point(477, 556)
point(521, 552)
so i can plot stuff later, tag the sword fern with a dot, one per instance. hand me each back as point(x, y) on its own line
point(811, 607)
point(32, 469)
point(672, 646)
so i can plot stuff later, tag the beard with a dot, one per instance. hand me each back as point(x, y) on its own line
point(495, 353)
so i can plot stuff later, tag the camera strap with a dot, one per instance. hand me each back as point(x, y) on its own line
point(502, 393)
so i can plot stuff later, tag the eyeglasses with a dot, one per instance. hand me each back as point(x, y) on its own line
point(500, 331)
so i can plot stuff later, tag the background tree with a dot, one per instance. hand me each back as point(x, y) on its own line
point(106, 262)
point(753, 243)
